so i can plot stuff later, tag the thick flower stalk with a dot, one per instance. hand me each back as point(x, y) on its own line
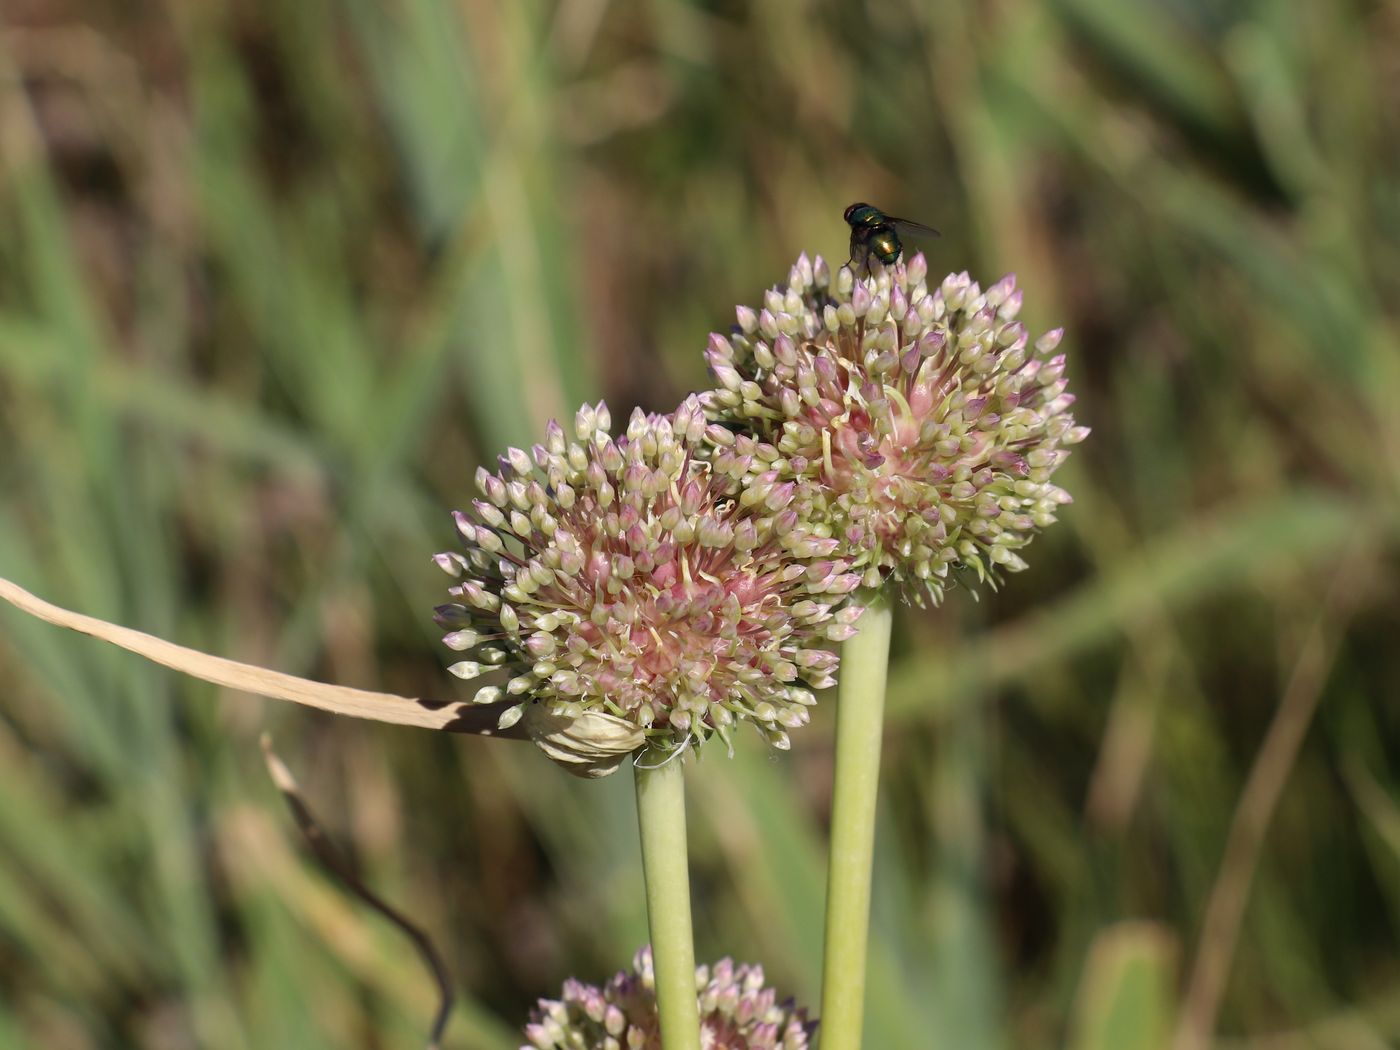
point(921, 425)
point(628, 594)
point(921, 428)
point(737, 1012)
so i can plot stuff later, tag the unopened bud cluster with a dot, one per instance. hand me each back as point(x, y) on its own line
point(737, 1012)
point(626, 580)
point(920, 424)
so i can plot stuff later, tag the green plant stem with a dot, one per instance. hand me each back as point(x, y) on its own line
point(661, 817)
point(860, 716)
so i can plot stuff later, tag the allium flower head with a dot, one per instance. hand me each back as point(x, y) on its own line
point(736, 1013)
point(627, 591)
point(921, 425)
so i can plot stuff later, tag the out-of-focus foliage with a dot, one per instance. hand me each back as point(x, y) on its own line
point(275, 277)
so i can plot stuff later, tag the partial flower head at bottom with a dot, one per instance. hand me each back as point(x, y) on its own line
point(921, 423)
point(624, 581)
point(737, 1012)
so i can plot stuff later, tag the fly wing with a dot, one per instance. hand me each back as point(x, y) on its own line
point(916, 229)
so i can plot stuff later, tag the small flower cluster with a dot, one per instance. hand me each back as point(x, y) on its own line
point(627, 581)
point(921, 425)
point(736, 1013)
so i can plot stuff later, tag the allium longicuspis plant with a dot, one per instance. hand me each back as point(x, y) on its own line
point(737, 1012)
point(631, 595)
point(921, 425)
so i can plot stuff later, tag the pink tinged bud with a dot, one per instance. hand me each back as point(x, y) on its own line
point(845, 583)
point(1053, 371)
point(518, 460)
point(790, 402)
point(1013, 334)
point(487, 540)
point(726, 376)
point(748, 320)
point(800, 276)
point(555, 438)
point(780, 496)
point(585, 422)
point(879, 308)
point(1011, 462)
point(465, 526)
point(916, 269)
point(451, 563)
point(899, 303)
point(719, 350)
point(785, 351)
point(860, 299)
point(1051, 339)
point(461, 640)
point(488, 513)
point(715, 434)
point(746, 536)
point(451, 615)
point(768, 324)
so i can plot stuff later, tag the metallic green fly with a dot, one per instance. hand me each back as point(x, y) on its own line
point(875, 233)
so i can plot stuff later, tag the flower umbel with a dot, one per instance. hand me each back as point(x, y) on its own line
point(624, 580)
point(921, 425)
point(737, 1012)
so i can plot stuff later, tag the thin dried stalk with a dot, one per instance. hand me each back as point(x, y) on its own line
point(335, 862)
point(453, 716)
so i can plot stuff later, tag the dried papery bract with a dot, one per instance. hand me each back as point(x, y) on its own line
point(738, 1011)
point(920, 425)
point(626, 594)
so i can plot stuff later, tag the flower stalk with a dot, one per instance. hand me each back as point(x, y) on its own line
point(860, 716)
point(661, 818)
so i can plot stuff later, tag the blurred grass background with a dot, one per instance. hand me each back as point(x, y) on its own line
point(275, 277)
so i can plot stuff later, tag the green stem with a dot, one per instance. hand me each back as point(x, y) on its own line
point(860, 717)
point(661, 817)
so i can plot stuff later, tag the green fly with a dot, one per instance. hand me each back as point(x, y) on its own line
point(875, 233)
